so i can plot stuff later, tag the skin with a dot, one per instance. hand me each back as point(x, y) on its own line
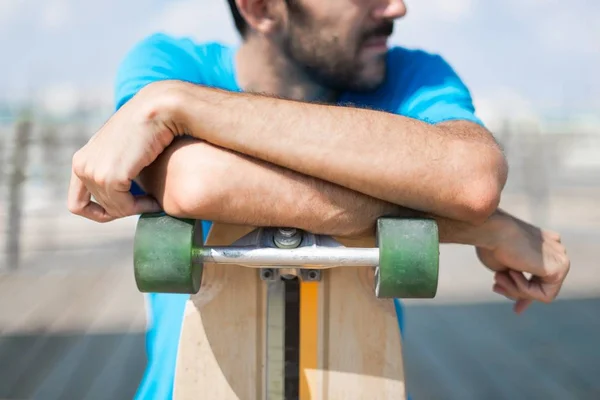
point(327, 169)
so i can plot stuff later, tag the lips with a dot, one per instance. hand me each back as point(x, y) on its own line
point(376, 41)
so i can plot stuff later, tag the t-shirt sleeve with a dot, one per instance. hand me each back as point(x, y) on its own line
point(158, 57)
point(435, 93)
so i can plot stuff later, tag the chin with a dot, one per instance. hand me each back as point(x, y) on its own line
point(371, 79)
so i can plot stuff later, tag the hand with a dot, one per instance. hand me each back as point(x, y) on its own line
point(523, 248)
point(131, 140)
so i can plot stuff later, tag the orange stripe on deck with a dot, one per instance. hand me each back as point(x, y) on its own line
point(309, 334)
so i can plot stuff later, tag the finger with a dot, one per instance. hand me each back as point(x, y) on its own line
point(557, 263)
point(514, 293)
point(78, 196)
point(511, 288)
point(121, 204)
point(117, 203)
point(528, 287)
point(555, 236)
point(102, 209)
point(126, 204)
point(90, 210)
point(521, 305)
point(79, 201)
point(145, 204)
point(504, 280)
point(509, 293)
point(556, 245)
point(497, 288)
point(97, 213)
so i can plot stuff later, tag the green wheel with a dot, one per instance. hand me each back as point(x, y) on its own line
point(162, 254)
point(408, 258)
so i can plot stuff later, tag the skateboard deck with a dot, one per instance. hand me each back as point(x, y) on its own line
point(285, 332)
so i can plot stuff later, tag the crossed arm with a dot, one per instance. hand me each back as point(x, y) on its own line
point(255, 160)
point(262, 161)
point(195, 179)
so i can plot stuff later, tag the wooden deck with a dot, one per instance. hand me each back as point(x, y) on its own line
point(72, 327)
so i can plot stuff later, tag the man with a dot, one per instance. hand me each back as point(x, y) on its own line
point(314, 122)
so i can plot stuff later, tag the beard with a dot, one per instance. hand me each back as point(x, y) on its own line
point(327, 59)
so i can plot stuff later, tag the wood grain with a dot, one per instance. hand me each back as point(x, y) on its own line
point(222, 345)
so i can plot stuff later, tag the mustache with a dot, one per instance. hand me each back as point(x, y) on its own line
point(385, 29)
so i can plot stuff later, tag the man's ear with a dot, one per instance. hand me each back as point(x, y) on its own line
point(263, 16)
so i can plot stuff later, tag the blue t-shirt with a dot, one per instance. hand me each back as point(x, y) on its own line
point(419, 85)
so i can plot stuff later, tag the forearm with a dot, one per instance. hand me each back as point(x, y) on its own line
point(451, 231)
point(195, 179)
point(454, 172)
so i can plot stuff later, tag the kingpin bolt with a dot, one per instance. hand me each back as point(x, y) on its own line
point(287, 238)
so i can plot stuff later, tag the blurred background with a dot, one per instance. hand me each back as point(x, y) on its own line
point(71, 321)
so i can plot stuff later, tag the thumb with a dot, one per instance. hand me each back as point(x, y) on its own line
point(145, 204)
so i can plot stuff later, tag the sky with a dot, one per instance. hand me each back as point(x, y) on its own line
point(518, 57)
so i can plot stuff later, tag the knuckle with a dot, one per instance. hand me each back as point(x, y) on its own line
point(109, 180)
point(76, 158)
point(119, 182)
point(74, 208)
point(99, 178)
point(558, 265)
point(78, 164)
point(555, 275)
point(561, 266)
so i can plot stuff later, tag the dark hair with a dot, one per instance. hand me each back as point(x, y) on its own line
point(240, 22)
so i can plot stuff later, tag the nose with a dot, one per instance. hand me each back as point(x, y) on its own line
point(390, 9)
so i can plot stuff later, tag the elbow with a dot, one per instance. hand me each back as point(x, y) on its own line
point(173, 179)
point(186, 200)
point(480, 201)
point(482, 186)
point(180, 192)
point(177, 203)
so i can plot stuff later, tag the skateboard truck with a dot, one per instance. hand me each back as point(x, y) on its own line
point(281, 313)
point(288, 238)
point(169, 256)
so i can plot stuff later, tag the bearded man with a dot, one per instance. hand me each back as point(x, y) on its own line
point(313, 122)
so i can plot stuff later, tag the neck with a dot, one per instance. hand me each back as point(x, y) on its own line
point(262, 68)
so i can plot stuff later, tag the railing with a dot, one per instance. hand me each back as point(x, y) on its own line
point(34, 174)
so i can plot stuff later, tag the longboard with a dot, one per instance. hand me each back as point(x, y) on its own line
point(318, 326)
